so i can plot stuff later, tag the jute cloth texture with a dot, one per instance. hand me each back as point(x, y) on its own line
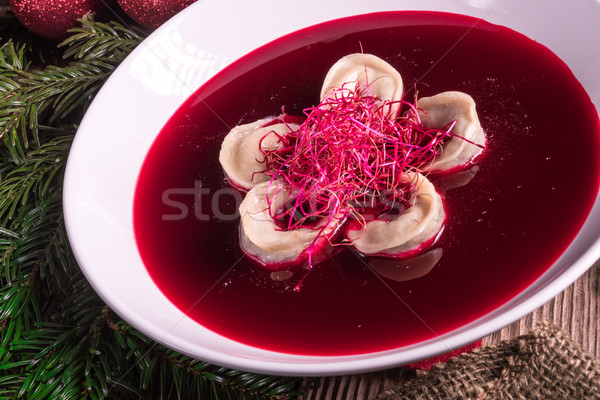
point(544, 364)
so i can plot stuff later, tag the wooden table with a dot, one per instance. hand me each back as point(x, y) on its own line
point(576, 311)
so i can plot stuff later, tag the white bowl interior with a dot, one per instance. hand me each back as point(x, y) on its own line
point(171, 64)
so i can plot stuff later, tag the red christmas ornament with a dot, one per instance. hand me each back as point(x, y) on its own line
point(152, 13)
point(52, 18)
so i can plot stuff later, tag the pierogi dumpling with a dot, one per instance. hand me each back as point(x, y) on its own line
point(440, 110)
point(241, 156)
point(262, 239)
point(419, 224)
point(399, 236)
point(374, 75)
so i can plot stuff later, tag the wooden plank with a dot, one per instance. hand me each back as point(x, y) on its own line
point(576, 310)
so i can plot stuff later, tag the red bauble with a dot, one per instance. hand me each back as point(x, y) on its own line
point(152, 13)
point(52, 18)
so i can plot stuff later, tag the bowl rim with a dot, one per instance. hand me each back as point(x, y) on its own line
point(90, 209)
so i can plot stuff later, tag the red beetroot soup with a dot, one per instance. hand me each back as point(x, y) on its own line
point(526, 200)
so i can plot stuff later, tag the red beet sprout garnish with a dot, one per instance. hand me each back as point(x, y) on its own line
point(349, 155)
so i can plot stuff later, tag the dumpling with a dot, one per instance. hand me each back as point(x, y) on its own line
point(263, 240)
point(241, 156)
point(440, 110)
point(371, 72)
point(401, 270)
point(411, 231)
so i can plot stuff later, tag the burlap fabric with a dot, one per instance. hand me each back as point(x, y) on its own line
point(545, 364)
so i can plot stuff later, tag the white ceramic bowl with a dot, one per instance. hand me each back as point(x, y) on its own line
point(171, 64)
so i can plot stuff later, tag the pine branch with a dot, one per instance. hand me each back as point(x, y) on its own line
point(32, 238)
point(193, 378)
point(72, 357)
point(33, 246)
point(95, 40)
point(97, 358)
point(58, 339)
point(39, 101)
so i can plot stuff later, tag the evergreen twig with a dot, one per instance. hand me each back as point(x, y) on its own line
point(58, 339)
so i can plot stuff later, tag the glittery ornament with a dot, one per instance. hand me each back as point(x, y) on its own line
point(52, 18)
point(152, 13)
